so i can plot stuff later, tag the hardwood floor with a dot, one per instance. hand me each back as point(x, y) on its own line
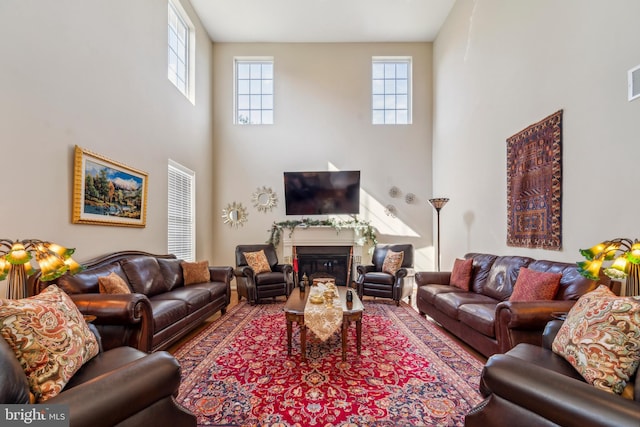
point(234, 302)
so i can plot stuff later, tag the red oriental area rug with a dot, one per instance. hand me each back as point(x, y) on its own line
point(236, 372)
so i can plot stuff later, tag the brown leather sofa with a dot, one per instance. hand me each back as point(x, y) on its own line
point(161, 309)
point(483, 317)
point(122, 386)
point(532, 386)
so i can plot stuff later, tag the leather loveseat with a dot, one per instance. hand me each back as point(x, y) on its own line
point(483, 317)
point(532, 386)
point(159, 311)
point(122, 387)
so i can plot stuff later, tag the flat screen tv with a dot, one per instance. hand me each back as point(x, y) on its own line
point(321, 193)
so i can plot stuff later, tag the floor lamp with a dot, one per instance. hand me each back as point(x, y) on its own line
point(438, 204)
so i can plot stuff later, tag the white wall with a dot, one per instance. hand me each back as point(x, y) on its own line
point(94, 73)
point(500, 66)
point(323, 116)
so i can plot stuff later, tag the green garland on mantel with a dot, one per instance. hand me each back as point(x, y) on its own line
point(362, 228)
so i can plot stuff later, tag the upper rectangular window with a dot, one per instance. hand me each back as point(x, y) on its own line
point(391, 90)
point(181, 49)
point(253, 91)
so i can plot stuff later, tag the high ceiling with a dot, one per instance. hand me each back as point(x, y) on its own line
point(310, 21)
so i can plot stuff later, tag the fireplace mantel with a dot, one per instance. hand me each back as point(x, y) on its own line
point(320, 236)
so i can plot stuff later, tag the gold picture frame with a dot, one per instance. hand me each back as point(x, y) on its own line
point(106, 192)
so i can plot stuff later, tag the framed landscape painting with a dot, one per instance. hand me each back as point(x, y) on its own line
point(106, 192)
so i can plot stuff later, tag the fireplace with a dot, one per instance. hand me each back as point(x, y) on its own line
point(326, 262)
point(343, 243)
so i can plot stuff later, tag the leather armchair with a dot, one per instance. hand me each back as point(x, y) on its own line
point(254, 287)
point(537, 387)
point(122, 386)
point(374, 282)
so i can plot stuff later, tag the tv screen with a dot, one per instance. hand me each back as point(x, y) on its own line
point(323, 192)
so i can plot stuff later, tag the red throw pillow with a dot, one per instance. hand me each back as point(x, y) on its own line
point(534, 285)
point(461, 273)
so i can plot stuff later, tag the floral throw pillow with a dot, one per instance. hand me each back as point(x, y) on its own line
point(50, 338)
point(461, 273)
point(257, 261)
point(113, 284)
point(601, 338)
point(392, 262)
point(534, 285)
point(195, 272)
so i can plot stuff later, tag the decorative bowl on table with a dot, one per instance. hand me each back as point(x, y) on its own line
point(316, 299)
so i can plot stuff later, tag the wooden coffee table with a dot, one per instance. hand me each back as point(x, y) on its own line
point(352, 312)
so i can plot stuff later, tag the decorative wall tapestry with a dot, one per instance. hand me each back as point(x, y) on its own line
point(534, 185)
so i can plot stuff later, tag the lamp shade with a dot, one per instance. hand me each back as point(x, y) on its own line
point(18, 254)
point(16, 263)
point(439, 202)
point(620, 258)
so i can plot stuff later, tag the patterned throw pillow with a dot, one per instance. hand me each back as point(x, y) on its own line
point(534, 285)
point(49, 337)
point(461, 273)
point(195, 272)
point(601, 338)
point(257, 261)
point(392, 262)
point(113, 284)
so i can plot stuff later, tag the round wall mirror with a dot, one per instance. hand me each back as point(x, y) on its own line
point(234, 214)
point(264, 199)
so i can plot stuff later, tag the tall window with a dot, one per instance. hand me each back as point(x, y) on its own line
point(253, 91)
point(181, 50)
point(181, 216)
point(391, 90)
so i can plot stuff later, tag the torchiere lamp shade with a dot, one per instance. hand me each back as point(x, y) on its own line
point(438, 203)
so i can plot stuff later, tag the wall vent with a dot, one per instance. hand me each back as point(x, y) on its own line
point(634, 83)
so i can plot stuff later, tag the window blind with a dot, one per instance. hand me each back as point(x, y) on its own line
point(181, 215)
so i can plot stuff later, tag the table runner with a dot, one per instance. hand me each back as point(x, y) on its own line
point(326, 318)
